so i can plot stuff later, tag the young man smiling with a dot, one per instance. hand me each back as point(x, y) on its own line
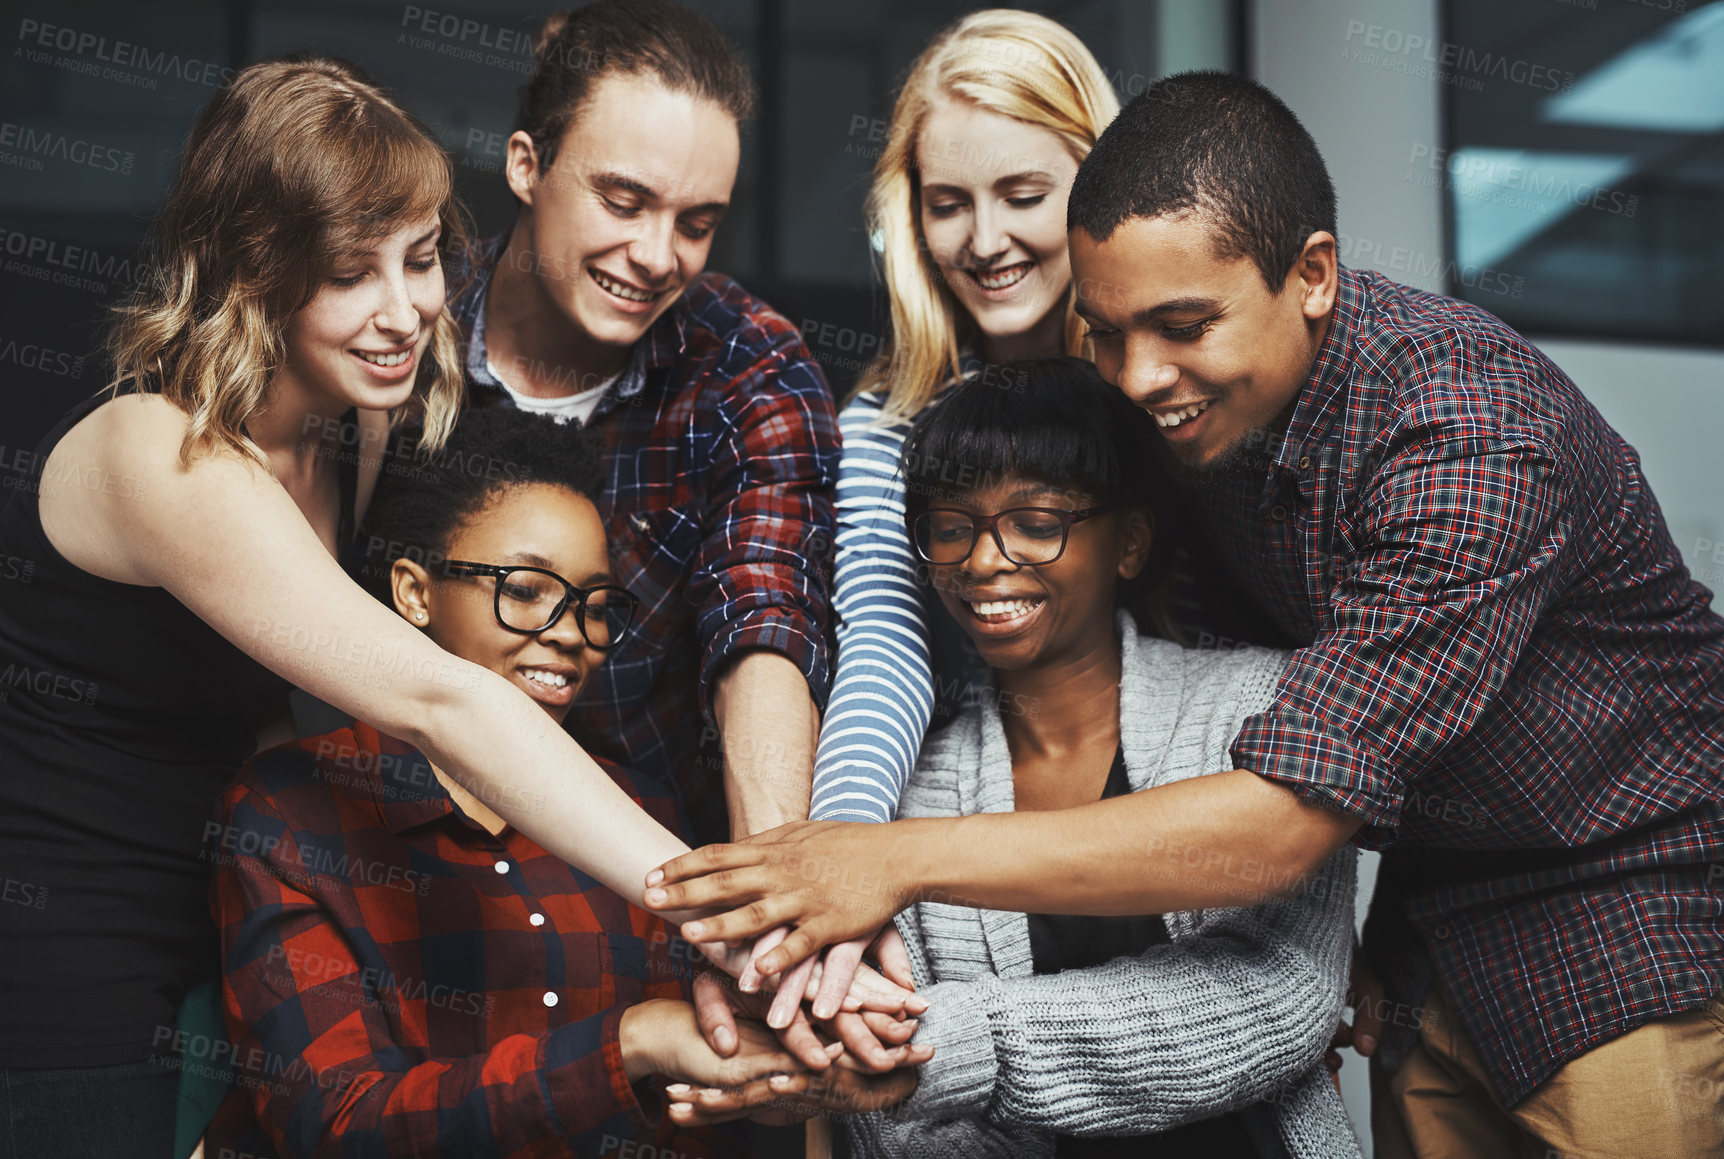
point(1490, 615)
point(723, 446)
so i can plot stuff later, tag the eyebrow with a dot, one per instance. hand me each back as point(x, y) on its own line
point(999, 183)
point(648, 193)
point(530, 559)
point(427, 236)
point(1176, 306)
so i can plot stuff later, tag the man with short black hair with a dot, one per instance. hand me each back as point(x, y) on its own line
point(1505, 676)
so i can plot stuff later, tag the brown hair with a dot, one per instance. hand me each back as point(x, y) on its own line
point(293, 163)
point(577, 47)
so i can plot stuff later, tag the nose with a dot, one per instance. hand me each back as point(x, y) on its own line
point(988, 239)
point(396, 313)
point(565, 631)
point(653, 252)
point(988, 557)
point(1146, 372)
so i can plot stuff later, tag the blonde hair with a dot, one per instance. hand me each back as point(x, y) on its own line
point(292, 164)
point(1017, 64)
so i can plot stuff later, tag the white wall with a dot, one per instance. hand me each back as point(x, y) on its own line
point(1370, 124)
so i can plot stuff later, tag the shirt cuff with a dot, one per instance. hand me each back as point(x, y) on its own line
point(1324, 767)
point(576, 1063)
point(774, 630)
point(959, 1079)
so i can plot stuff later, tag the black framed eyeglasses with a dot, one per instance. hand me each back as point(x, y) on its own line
point(1025, 535)
point(530, 599)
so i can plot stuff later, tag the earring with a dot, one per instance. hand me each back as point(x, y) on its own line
point(418, 615)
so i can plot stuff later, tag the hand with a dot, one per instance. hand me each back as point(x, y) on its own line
point(662, 1036)
point(829, 880)
point(838, 1090)
point(839, 969)
point(719, 1003)
point(1365, 996)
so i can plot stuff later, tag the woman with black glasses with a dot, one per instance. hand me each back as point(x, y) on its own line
point(404, 972)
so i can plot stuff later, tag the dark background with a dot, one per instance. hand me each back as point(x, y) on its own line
point(826, 72)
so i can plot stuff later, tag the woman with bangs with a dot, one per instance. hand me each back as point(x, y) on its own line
point(185, 526)
point(968, 214)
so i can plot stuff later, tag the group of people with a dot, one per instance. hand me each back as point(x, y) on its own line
point(994, 850)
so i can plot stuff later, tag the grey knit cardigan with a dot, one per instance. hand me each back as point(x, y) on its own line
point(1235, 1012)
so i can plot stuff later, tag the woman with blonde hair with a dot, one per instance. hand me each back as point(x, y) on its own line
point(184, 527)
point(968, 214)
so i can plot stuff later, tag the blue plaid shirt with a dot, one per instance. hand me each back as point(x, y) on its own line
point(722, 458)
point(1506, 672)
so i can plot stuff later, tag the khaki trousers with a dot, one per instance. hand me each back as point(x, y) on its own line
point(1657, 1092)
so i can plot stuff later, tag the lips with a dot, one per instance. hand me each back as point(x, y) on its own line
point(1172, 418)
point(997, 281)
point(620, 289)
point(390, 365)
point(1001, 616)
point(554, 687)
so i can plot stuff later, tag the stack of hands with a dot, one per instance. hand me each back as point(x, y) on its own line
point(833, 1040)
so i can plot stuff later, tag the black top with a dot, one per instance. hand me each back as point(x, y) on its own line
point(1077, 941)
point(122, 715)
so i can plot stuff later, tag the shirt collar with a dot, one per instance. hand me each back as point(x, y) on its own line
point(1325, 391)
point(662, 344)
point(401, 781)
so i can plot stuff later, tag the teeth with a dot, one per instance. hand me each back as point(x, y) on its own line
point(548, 679)
point(1001, 278)
point(1003, 607)
point(619, 289)
point(385, 359)
point(1179, 416)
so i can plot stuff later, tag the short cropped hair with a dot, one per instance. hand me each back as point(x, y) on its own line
point(580, 46)
point(418, 509)
point(1222, 146)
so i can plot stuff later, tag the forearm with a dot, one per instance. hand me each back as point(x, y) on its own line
point(515, 759)
point(1224, 840)
point(768, 724)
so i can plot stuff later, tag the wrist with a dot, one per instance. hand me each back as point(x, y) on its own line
point(640, 1033)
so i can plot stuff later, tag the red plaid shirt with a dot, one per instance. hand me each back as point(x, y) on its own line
point(398, 981)
point(723, 457)
point(1507, 673)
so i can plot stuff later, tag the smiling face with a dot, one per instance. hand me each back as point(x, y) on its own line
point(623, 219)
point(993, 212)
point(1197, 339)
point(1023, 616)
point(361, 338)
point(535, 525)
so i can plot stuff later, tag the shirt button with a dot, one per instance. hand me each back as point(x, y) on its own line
point(1441, 933)
point(537, 919)
point(550, 997)
point(1278, 513)
point(640, 523)
point(1305, 462)
point(501, 867)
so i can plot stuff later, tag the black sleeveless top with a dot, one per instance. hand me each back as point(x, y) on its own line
point(122, 715)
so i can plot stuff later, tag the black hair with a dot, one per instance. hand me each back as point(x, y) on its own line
point(422, 500)
point(577, 47)
point(1218, 144)
point(1053, 420)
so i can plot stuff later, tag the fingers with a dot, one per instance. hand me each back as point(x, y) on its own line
point(800, 1040)
point(894, 959)
point(712, 1013)
point(693, 1106)
point(749, 980)
point(799, 945)
point(751, 921)
point(1368, 1008)
point(788, 1001)
point(863, 1046)
point(840, 970)
point(706, 859)
point(873, 991)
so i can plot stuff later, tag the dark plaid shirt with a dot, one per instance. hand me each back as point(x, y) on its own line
point(1504, 670)
point(398, 981)
point(723, 457)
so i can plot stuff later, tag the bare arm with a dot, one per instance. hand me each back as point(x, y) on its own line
point(769, 724)
point(229, 543)
point(1229, 839)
